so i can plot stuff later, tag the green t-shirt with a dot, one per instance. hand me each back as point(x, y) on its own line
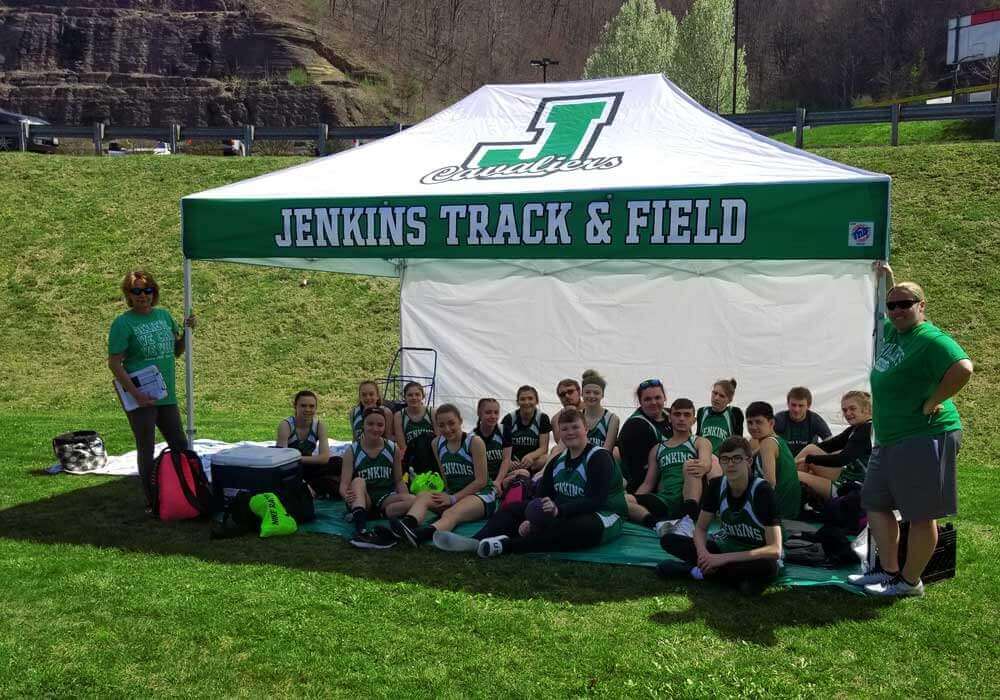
point(144, 340)
point(907, 370)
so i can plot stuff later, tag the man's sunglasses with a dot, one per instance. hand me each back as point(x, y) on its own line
point(143, 290)
point(901, 304)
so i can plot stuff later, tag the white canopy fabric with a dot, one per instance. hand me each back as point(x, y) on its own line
point(542, 229)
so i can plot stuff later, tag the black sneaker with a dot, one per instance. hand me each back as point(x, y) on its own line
point(373, 540)
point(671, 568)
point(404, 529)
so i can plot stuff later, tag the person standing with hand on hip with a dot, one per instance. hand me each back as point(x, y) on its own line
point(918, 434)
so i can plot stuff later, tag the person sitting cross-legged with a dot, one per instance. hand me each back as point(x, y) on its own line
point(842, 460)
point(746, 551)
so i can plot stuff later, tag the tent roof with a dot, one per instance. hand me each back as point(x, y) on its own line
point(662, 137)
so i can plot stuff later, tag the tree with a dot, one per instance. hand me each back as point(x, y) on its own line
point(703, 62)
point(638, 39)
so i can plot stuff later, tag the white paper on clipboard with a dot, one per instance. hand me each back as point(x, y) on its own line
point(149, 381)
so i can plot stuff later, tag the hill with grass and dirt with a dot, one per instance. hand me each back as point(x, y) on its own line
point(99, 600)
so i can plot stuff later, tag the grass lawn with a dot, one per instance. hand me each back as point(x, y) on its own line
point(100, 601)
point(910, 133)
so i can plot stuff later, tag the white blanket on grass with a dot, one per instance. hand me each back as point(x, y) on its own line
point(127, 464)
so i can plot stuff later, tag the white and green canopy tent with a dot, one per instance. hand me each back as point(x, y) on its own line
point(541, 229)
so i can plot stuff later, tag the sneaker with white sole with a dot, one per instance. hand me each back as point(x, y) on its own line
point(491, 546)
point(896, 588)
point(871, 577)
point(402, 529)
point(450, 542)
point(373, 540)
point(664, 527)
point(684, 527)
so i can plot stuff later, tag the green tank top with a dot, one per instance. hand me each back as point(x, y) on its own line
point(376, 471)
point(598, 435)
point(458, 467)
point(715, 427)
point(571, 483)
point(524, 438)
point(494, 451)
point(670, 463)
point(787, 490)
point(740, 530)
point(412, 429)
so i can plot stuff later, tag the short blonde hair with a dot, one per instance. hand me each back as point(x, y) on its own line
point(912, 287)
point(132, 280)
point(863, 398)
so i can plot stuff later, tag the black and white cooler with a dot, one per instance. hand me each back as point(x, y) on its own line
point(255, 470)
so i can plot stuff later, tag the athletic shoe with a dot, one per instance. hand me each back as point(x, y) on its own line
point(896, 588)
point(373, 540)
point(684, 527)
point(871, 577)
point(697, 574)
point(671, 568)
point(491, 546)
point(664, 527)
point(450, 542)
point(402, 529)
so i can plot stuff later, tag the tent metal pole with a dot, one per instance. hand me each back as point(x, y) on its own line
point(188, 356)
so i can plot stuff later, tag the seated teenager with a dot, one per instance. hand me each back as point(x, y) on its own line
point(414, 426)
point(568, 391)
point(525, 437)
point(799, 426)
point(677, 466)
point(306, 433)
point(468, 493)
point(371, 481)
point(720, 419)
point(773, 460)
point(369, 396)
point(488, 428)
point(602, 424)
point(580, 497)
point(645, 428)
point(746, 550)
point(831, 465)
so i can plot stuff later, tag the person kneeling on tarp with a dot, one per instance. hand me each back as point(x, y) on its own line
point(746, 551)
point(371, 481)
point(468, 493)
point(580, 501)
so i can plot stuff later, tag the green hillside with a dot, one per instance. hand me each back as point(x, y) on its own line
point(100, 601)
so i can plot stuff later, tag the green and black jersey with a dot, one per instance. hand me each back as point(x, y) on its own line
point(716, 427)
point(412, 429)
point(306, 447)
point(523, 438)
point(588, 483)
point(458, 467)
point(494, 450)
point(598, 434)
point(357, 421)
point(742, 518)
point(377, 470)
point(787, 489)
point(670, 463)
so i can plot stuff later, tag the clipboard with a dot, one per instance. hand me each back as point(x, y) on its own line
point(148, 380)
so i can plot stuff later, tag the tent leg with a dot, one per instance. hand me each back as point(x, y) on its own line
point(188, 356)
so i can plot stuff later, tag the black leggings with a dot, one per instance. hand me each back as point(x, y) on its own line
point(144, 421)
point(560, 535)
point(759, 570)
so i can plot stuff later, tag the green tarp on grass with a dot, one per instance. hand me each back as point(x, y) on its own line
point(637, 546)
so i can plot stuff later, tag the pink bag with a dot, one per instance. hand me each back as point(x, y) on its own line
point(180, 487)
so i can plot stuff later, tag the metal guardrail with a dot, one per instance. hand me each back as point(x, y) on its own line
point(796, 119)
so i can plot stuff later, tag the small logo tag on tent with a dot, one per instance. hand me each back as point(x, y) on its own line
point(861, 234)
point(562, 134)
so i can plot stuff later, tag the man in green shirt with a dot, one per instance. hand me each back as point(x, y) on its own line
point(918, 433)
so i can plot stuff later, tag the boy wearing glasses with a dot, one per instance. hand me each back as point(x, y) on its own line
point(746, 551)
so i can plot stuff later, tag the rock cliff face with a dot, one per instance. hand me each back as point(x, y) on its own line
point(194, 62)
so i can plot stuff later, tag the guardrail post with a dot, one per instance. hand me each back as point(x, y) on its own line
point(800, 123)
point(247, 139)
point(894, 130)
point(996, 116)
point(98, 138)
point(321, 134)
point(175, 137)
point(22, 136)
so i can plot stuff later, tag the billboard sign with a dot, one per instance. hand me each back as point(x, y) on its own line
point(974, 37)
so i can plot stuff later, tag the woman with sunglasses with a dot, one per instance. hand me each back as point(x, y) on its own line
point(147, 336)
point(646, 427)
point(918, 433)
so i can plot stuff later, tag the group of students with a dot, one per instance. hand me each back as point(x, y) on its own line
point(571, 481)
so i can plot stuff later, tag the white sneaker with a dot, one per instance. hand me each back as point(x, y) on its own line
point(450, 542)
point(871, 577)
point(897, 587)
point(491, 546)
point(684, 527)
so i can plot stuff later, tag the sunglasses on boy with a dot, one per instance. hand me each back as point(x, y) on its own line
point(143, 290)
point(901, 304)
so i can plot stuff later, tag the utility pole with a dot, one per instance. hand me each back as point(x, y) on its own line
point(544, 64)
point(736, 46)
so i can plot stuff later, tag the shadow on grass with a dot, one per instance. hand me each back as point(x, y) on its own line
point(739, 618)
point(110, 515)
